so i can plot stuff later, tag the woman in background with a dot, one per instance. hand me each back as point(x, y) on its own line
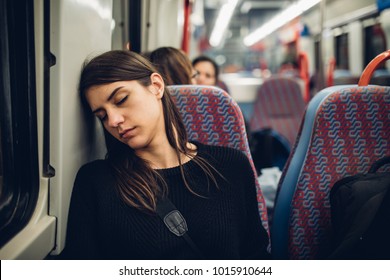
point(174, 65)
point(208, 70)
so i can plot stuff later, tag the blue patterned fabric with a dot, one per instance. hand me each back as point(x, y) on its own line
point(212, 117)
point(345, 129)
point(279, 105)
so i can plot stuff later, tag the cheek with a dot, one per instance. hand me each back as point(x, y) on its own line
point(145, 113)
point(155, 112)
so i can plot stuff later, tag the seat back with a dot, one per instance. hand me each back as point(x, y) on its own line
point(212, 117)
point(351, 80)
point(344, 130)
point(279, 105)
point(381, 80)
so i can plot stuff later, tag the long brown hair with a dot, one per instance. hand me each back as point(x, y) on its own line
point(137, 183)
point(173, 64)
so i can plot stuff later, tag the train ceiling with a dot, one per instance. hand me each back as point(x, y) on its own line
point(246, 17)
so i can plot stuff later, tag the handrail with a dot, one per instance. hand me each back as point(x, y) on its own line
point(371, 67)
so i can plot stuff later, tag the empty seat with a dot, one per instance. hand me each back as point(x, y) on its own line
point(279, 105)
point(381, 80)
point(352, 80)
point(344, 130)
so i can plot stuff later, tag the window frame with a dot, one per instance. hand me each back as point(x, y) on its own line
point(18, 118)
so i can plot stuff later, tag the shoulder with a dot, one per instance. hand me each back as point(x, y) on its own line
point(95, 165)
point(95, 178)
point(96, 169)
point(222, 155)
point(232, 164)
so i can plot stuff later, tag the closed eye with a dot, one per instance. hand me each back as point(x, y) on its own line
point(122, 100)
point(102, 117)
point(100, 114)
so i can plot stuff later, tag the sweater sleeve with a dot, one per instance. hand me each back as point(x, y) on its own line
point(255, 238)
point(81, 239)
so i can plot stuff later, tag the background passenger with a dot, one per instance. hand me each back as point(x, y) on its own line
point(208, 70)
point(115, 200)
point(174, 65)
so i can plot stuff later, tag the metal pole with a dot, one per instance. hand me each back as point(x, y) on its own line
point(321, 77)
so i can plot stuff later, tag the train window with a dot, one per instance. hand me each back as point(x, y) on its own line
point(18, 125)
point(1, 166)
point(375, 42)
point(342, 54)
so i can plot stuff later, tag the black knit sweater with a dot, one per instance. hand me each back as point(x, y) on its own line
point(225, 225)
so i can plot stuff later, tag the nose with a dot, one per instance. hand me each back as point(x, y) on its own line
point(114, 119)
point(200, 79)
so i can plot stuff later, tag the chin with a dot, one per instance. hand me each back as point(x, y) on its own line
point(136, 144)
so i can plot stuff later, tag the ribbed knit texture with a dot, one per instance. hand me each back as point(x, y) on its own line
point(225, 225)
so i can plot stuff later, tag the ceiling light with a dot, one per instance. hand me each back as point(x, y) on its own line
point(279, 20)
point(223, 19)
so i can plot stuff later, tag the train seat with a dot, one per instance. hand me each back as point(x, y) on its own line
point(381, 77)
point(212, 117)
point(279, 106)
point(344, 130)
point(381, 73)
point(381, 80)
point(344, 77)
point(350, 80)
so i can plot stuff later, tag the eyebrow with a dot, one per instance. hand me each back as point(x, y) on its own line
point(109, 98)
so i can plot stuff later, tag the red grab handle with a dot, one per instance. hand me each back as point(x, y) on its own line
point(370, 68)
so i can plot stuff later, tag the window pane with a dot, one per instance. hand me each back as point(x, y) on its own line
point(1, 164)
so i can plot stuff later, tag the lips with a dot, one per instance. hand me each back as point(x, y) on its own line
point(127, 133)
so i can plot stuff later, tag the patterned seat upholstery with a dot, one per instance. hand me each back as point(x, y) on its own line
point(212, 117)
point(279, 105)
point(344, 130)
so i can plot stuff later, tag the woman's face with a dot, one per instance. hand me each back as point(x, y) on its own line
point(206, 73)
point(130, 112)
